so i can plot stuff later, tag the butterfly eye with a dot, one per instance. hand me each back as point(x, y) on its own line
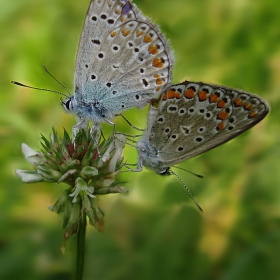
point(165, 172)
point(67, 104)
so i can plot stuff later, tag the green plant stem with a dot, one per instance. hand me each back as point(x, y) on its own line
point(81, 247)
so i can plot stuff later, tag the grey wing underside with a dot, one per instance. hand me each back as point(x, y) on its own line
point(91, 37)
point(204, 125)
point(115, 53)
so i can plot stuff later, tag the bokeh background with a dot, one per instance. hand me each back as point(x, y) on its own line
point(155, 231)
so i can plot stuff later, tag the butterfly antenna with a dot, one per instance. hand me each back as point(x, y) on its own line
point(182, 182)
point(43, 89)
point(47, 71)
point(197, 175)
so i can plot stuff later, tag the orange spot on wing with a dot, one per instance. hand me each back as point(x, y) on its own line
point(117, 11)
point(253, 114)
point(202, 95)
point(171, 93)
point(248, 106)
point(213, 98)
point(148, 39)
point(122, 19)
point(139, 33)
point(158, 63)
point(126, 32)
point(153, 49)
point(158, 89)
point(189, 93)
point(165, 96)
point(221, 104)
point(113, 34)
point(238, 102)
point(220, 126)
point(222, 115)
point(159, 80)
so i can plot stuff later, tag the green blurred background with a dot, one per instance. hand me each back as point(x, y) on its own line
point(154, 232)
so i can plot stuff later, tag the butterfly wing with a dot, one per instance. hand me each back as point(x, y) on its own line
point(195, 117)
point(123, 60)
point(99, 21)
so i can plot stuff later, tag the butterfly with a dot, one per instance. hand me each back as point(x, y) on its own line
point(123, 61)
point(192, 118)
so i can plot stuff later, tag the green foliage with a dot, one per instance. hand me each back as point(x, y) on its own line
point(155, 231)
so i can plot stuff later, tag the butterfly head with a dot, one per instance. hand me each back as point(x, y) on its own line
point(68, 104)
point(151, 158)
point(93, 111)
point(165, 172)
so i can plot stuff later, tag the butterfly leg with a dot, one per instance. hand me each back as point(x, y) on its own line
point(139, 166)
point(130, 124)
point(95, 133)
point(129, 138)
point(77, 127)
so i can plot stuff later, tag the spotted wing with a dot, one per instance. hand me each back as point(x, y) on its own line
point(195, 117)
point(123, 59)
